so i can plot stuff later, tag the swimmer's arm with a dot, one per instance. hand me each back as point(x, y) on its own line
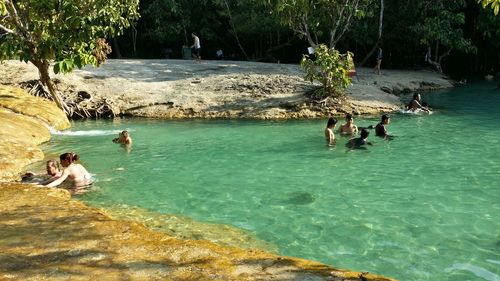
point(47, 181)
point(58, 181)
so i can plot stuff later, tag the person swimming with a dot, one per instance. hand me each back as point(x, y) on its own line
point(415, 104)
point(123, 138)
point(75, 173)
point(359, 143)
point(52, 168)
point(380, 129)
point(348, 128)
point(330, 136)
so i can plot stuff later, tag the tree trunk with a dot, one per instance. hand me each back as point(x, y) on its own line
point(43, 70)
point(379, 39)
point(134, 40)
point(117, 48)
point(234, 30)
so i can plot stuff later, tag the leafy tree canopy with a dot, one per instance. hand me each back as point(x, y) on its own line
point(494, 4)
point(67, 32)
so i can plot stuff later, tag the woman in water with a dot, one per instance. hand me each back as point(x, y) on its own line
point(76, 173)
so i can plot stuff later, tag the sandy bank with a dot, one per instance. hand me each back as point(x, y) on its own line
point(224, 89)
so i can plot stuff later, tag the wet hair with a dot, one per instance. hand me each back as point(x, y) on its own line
point(348, 116)
point(364, 133)
point(52, 163)
point(125, 133)
point(69, 156)
point(331, 121)
point(415, 96)
point(385, 117)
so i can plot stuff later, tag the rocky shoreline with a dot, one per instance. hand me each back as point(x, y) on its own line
point(175, 89)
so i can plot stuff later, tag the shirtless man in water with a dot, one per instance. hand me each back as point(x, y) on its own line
point(72, 171)
point(123, 138)
point(348, 128)
point(330, 136)
point(415, 103)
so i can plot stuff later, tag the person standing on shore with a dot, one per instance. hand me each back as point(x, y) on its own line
point(196, 47)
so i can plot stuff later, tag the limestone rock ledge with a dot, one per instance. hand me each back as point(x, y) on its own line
point(24, 122)
point(47, 236)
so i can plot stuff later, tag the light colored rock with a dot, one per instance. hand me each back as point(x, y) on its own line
point(224, 89)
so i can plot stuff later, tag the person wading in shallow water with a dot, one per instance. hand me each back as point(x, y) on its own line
point(348, 128)
point(359, 143)
point(381, 130)
point(123, 138)
point(330, 137)
point(74, 173)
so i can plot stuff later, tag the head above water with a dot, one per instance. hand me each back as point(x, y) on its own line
point(385, 118)
point(52, 167)
point(348, 117)
point(416, 96)
point(68, 158)
point(124, 133)
point(332, 121)
point(365, 133)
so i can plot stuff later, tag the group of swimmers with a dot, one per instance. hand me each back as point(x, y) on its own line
point(74, 175)
point(349, 129)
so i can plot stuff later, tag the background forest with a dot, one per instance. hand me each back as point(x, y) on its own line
point(462, 36)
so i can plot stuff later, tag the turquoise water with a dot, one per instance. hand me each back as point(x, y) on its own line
point(424, 206)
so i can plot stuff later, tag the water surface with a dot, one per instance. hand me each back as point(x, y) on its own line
point(424, 206)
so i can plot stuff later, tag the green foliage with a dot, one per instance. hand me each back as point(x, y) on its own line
point(67, 32)
point(320, 20)
point(495, 5)
point(329, 67)
point(441, 24)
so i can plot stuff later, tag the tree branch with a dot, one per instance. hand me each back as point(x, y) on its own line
point(6, 30)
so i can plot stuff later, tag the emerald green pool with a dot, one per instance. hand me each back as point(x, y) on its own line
point(424, 206)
